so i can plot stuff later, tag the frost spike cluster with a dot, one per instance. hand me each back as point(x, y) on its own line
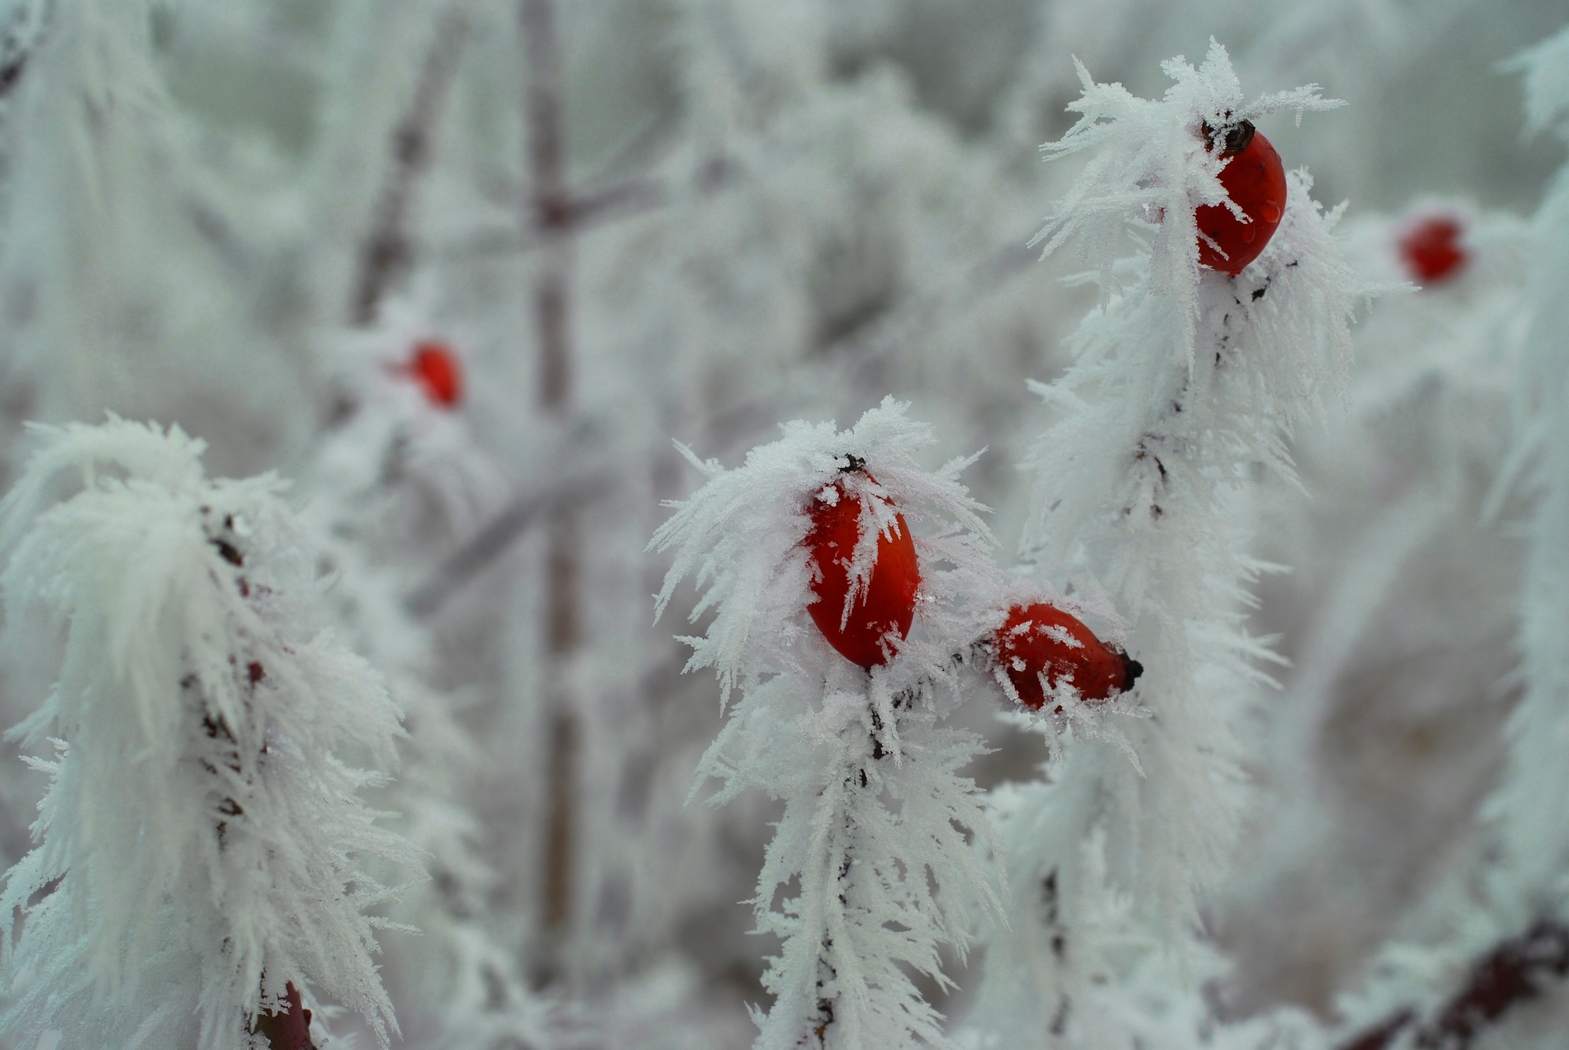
point(876, 821)
point(202, 819)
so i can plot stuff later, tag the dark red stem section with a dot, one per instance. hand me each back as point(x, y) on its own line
point(1515, 971)
point(290, 1030)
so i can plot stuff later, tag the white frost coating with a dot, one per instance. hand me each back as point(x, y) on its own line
point(1531, 806)
point(1185, 379)
point(869, 872)
point(740, 538)
point(1546, 71)
point(394, 485)
point(201, 842)
point(1150, 167)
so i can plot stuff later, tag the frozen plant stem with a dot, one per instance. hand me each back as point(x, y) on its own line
point(1515, 971)
point(548, 209)
point(1185, 380)
point(870, 871)
point(290, 1028)
point(386, 254)
point(203, 856)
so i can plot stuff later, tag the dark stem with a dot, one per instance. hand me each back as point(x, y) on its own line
point(386, 255)
point(559, 822)
point(289, 1030)
point(21, 38)
point(548, 208)
point(496, 538)
point(1231, 138)
point(1515, 971)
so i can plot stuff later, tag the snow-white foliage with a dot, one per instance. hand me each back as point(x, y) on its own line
point(1185, 379)
point(869, 871)
point(1136, 488)
point(396, 484)
point(1151, 167)
point(1531, 807)
point(784, 211)
point(202, 844)
point(1399, 487)
point(1546, 71)
point(1086, 972)
point(111, 216)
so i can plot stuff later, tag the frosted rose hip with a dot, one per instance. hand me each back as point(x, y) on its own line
point(1042, 639)
point(882, 614)
point(1255, 180)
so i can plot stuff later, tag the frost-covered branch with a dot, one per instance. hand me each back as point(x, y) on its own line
point(1523, 879)
point(395, 485)
point(1515, 971)
point(386, 252)
point(1185, 378)
point(203, 853)
point(547, 205)
point(869, 871)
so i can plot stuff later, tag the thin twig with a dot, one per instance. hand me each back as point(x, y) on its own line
point(548, 208)
point(756, 413)
point(587, 209)
point(387, 252)
point(1515, 971)
point(494, 539)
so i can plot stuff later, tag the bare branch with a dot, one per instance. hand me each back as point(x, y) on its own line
point(1514, 972)
point(387, 253)
point(549, 207)
point(587, 209)
point(497, 536)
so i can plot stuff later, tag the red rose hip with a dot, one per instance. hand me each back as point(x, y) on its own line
point(1042, 639)
point(436, 369)
point(1256, 181)
point(1431, 249)
point(881, 615)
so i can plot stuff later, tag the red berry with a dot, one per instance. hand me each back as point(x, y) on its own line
point(1431, 249)
point(1042, 639)
point(886, 606)
point(435, 367)
point(1256, 181)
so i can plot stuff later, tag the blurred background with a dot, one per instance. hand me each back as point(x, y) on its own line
point(465, 269)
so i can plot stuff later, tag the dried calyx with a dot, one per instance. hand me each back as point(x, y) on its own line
point(1231, 139)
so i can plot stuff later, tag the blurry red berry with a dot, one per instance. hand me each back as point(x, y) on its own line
point(886, 606)
point(437, 370)
point(1042, 639)
point(1256, 181)
point(1431, 249)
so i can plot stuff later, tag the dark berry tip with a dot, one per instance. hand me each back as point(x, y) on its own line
point(1230, 138)
point(1131, 669)
point(853, 464)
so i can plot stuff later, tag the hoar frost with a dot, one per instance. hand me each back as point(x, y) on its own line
point(1185, 379)
point(201, 844)
point(870, 870)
